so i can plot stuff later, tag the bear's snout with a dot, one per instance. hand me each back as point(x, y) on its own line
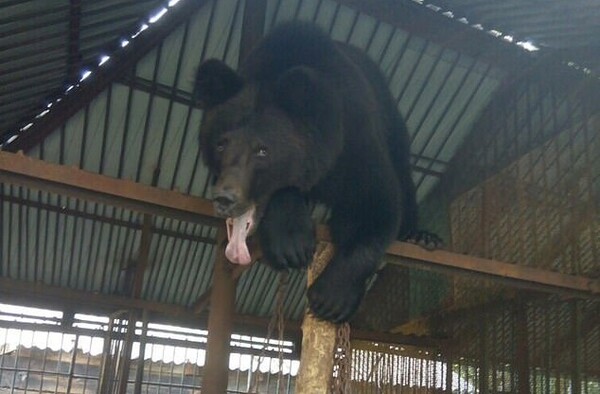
point(225, 201)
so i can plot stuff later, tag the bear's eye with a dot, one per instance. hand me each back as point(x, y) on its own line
point(220, 147)
point(261, 152)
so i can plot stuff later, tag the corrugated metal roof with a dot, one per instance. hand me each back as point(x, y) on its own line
point(34, 47)
point(144, 128)
point(568, 29)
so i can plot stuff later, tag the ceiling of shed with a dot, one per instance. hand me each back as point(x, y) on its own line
point(144, 126)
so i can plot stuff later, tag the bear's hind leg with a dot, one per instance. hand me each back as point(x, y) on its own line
point(286, 231)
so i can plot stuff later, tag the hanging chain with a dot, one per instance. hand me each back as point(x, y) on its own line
point(279, 320)
point(342, 360)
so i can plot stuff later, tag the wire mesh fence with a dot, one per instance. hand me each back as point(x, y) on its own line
point(44, 351)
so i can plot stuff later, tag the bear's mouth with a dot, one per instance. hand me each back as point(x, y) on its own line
point(238, 229)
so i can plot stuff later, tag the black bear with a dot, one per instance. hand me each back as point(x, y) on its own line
point(308, 119)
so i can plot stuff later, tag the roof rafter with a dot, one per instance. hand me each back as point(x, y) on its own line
point(120, 63)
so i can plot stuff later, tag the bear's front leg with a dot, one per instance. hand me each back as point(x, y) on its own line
point(360, 244)
point(337, 292)
point(286, 231)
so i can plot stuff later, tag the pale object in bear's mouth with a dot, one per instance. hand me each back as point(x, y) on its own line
point(238, 229)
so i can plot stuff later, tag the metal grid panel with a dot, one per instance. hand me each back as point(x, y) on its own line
point(545, 339)
point(47, 351)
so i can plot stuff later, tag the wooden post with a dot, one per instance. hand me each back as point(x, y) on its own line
point(318, 338)
point(220, 323)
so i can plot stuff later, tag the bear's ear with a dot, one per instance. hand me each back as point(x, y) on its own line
point(301, 92)
point(216, 82)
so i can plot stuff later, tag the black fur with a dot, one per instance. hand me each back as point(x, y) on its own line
point(312, 120)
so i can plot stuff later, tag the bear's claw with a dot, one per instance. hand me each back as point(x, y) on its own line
point(425, 239)
point(333, 298)
point(287, 232)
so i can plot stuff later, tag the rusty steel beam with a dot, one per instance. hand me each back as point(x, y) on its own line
point(121, 62)
point(21, 170)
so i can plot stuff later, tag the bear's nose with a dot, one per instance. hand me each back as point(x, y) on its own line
point(224, 201)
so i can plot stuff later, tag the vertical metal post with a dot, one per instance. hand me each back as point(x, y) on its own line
point(16, 365)
point(106, 368)
point(483, 357)
point(448, 377)
point(576, 354)
point(139, 373)
point(123, 372)
point(72, 363)
point(522, 351)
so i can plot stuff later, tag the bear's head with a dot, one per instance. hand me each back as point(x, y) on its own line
point(260, 135)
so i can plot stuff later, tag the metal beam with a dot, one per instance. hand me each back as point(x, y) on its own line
point(132, 224)
point(121, 61)
point(143, 255)
point(21, 170)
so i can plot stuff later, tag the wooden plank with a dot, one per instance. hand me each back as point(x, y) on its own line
point(414, 256)
point(21, 170)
